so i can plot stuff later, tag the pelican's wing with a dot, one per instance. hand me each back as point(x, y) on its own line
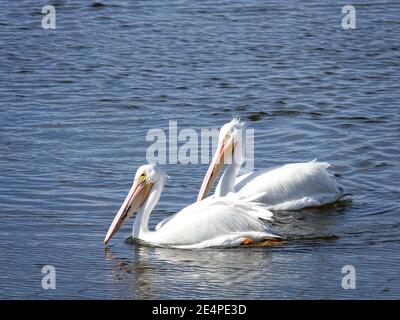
point(292, 186)
point(160, 224)
point(244, 179)
point(215, 218)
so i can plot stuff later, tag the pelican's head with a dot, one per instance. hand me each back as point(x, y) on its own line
point(229, 150)
point(145, 179)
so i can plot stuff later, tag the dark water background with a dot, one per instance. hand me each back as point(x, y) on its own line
point(76, 104)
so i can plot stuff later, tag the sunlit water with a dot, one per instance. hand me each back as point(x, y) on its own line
point(77, 102)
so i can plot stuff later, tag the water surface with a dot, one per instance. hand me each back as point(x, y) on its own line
point(76, 104)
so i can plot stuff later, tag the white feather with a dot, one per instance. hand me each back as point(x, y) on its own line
point(291, 186)
point(214, 222)
point(288, 187)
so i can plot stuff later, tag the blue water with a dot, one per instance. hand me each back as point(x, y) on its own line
point(76, 104)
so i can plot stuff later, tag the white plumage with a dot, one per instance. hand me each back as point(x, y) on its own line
point(212, 222)
point(289, 187)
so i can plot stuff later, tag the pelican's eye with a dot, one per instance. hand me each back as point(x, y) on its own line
point(142, 177)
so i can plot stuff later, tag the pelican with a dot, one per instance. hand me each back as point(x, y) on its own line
point(289, 187)
point(208, 223)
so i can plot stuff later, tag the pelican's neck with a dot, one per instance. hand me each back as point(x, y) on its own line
point(227, 182)
point(141, 224)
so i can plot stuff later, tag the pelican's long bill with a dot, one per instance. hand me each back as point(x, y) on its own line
point(133, 201)
point(221, 157)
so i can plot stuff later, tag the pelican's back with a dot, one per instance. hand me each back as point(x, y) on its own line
point(291, 186)
point(214, 220)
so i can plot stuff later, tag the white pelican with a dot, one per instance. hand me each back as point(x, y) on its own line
point(289, 187)
point(208, 223)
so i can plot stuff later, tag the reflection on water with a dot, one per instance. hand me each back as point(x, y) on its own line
point(311, 222)
point(162, 272)
point(153, 272)
point(308, 263)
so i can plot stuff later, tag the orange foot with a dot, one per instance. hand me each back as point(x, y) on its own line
point(247, 241)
